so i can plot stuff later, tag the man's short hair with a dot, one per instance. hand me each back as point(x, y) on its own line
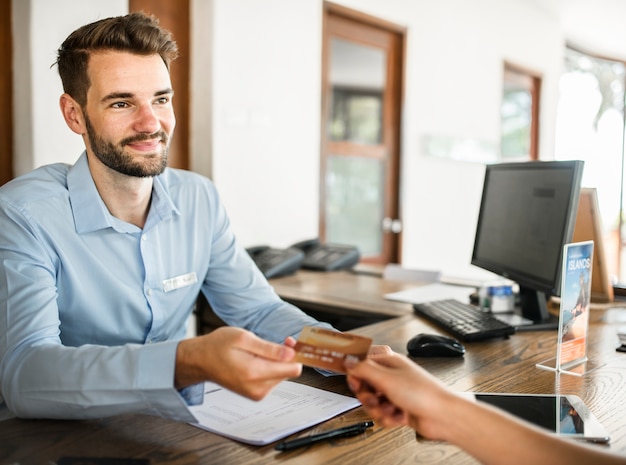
point(135, 33)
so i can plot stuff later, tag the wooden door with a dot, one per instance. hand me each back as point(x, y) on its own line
point(6, 93)
point(174, 16)
point(361, 99)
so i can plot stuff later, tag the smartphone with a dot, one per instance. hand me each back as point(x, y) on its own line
point(100, 461)
point(564, 415)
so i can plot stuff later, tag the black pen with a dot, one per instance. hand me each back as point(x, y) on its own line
point(346, 431)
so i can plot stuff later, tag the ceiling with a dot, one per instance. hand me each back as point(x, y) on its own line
point(594, 26)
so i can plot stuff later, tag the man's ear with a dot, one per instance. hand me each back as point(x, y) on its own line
point(73, 114)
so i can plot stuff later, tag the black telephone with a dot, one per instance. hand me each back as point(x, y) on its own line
point(310, 254)
point(327, 257)
point(276, 262)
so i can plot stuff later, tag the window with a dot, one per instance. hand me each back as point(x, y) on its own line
point(356, 116)
point(590, 127)
point(519, 114)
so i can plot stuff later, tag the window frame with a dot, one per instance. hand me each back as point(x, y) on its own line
point(531, 81)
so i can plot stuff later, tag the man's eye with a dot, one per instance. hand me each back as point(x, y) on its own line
point(162, 100)
point(119, 105)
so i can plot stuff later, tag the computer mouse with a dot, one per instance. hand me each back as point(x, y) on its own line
point(434, 345)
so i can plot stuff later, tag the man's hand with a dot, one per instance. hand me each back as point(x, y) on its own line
point(237, 360)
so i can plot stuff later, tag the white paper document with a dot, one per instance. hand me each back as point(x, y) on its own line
point(430, 292)
point(289, 408)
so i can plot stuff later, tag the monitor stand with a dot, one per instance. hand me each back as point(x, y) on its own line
point(532, 314)
point(550, 323)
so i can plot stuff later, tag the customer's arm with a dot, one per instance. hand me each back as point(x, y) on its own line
point(395, 391)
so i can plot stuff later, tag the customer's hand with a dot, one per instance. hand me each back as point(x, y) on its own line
point(395, 391)
point(237, 360)
point(379, 351)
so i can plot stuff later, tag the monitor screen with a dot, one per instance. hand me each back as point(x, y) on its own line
point(527, 214)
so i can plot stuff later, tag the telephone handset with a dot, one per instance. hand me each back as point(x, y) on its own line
point(328, 257)
point(309, 254)
point(307, 245)
point(276, 262)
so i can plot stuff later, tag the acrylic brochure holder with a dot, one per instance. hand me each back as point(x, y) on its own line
point(571, 352)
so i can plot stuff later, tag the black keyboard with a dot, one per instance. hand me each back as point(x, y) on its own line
point(466, 322)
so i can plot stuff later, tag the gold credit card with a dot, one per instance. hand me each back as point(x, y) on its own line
point(324, 348)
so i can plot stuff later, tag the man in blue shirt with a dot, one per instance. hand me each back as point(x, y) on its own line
point(102, 261)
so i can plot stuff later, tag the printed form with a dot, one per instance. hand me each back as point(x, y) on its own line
point(290, 407)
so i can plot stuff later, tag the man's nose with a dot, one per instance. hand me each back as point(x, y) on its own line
point(147, 120)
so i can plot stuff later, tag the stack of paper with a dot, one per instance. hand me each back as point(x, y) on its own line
point(621, 333)
point(435, 291)
point(289, 408)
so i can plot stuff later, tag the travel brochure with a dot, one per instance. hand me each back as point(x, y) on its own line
point(571, 354)
point(575, 301)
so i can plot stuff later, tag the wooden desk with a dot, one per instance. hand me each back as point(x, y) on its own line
point(344, 299)
point(496, 366)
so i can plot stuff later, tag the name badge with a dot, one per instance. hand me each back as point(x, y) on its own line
point(177, 282)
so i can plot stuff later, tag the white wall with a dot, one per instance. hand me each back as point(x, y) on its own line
point(256, 105)
point(201, 87)
point(268, 61)
point(455, 55)
point(40, 26)
point(266, 107)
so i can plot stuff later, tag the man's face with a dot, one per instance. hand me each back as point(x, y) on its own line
point(129, 116)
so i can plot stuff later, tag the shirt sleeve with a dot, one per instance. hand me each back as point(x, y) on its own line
point(54, 381)
point(42, 378)
point(239, 293)
point(97, 360)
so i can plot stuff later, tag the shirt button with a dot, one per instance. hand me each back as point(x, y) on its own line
point(144, 237)
point(149, 292)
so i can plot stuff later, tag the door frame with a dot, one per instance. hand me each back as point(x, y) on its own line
point(355, 23)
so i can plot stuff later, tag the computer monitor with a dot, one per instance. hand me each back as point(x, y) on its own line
point(527, 214)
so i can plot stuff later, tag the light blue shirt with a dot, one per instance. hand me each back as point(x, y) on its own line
point(92, 308)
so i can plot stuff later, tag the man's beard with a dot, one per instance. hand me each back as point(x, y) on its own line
point(117, 159)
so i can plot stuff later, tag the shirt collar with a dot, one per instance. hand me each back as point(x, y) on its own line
point(90, 212)
point(162, 207)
